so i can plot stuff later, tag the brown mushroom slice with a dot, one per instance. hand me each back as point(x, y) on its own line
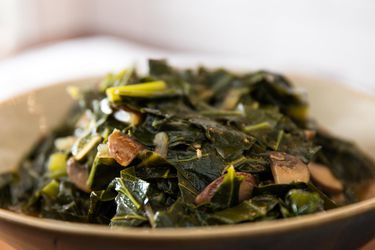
point(123, 148)
point(309, 134)
point(323, 176)
point(246, 188)
point(288, 168)
point(78, 174)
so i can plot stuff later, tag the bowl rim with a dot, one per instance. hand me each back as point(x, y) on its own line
point(208, 232)
point(226, 231)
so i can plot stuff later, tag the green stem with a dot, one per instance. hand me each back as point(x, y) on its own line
point(279, 139)
point(145, 90)
point(259, 126)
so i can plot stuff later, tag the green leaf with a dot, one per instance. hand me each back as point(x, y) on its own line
point(68, 203)
point(153, 166)
point(250, 210)
point(130, 200)
point(227, 193)
point(303, 202)
point(228, 142)
point(195, 173)
point(180, 214)
point(51, 189)
point(102, 205)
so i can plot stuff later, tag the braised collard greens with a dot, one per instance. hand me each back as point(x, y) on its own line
point(185, 148)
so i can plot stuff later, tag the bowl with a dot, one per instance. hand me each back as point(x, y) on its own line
point(25, 118)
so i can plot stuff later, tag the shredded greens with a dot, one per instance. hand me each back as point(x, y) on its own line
point(186, 148)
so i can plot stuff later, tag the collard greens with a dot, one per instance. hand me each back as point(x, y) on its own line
point(184, 148)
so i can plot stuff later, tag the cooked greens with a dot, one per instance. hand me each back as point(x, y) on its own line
point(186, 148)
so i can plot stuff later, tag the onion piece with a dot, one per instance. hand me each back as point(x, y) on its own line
point(161, 144)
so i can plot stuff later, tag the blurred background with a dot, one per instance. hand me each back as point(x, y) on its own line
point(42, 41)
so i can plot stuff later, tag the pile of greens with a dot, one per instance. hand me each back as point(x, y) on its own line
point(184, 148)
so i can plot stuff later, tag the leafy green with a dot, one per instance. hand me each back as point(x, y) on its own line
point(227, 195)
point(249, 210)
point(131, 198)
point(201, 141)
point(303, 202)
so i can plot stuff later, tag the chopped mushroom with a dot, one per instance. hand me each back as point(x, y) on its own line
point(246, 188)
point(323, 176)
point(309, 134)
point(123, 148)
point(78, 174)
point(288, 168)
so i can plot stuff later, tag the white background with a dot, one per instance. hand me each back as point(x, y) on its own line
point(330, 38)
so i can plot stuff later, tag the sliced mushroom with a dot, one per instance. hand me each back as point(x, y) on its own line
point(78, 174)
point(246, 188)
point(123, 148)
point(323, 176)
point(288, 168)
point(309, 134)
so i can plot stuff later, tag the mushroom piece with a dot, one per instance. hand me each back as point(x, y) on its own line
point(288, 168)
point(323, 176)
point(123, 148)
point(78, 174)
point(244, 193)
point(309, 134)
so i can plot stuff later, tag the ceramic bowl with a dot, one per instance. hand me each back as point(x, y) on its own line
point(25, 118)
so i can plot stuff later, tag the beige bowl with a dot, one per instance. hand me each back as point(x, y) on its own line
point(25, 118)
